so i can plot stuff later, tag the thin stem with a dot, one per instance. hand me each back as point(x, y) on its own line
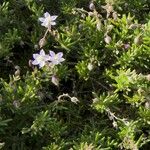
point(115, 117)
point(45, 34)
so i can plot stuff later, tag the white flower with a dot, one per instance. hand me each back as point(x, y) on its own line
point(56, 58)
point(48, 20)
point(40, 59)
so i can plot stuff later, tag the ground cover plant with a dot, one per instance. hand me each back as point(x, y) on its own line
point(75, 75)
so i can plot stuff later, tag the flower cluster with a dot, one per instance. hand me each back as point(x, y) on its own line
point(41, 59)
point(51, 59)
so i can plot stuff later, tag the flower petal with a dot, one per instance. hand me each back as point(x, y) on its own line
point(46, 24)
point(53, 23)
point(41, 64)
point(42, 52)
point(53, 17)
point(46, 14)
point(61, 59)
point(47, 57)
point(55, 80)
point(35, 62)
point(59, 55)
point(52, 53)
point(43, 24)
point(53, 60)
point(35, 56)
point(41, 19)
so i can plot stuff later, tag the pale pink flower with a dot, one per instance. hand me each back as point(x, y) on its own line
point(56, 58)
point(40, 59)
point(48, 20)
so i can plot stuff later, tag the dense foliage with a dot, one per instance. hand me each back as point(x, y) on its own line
point(97, 97)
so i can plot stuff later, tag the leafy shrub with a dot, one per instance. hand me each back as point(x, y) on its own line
point(80, 81)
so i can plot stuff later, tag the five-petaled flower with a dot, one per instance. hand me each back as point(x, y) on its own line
point(56, 58)
point(40, 59)
point(48, 20)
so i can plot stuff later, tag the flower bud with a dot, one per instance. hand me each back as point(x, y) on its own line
point(36, 46)
point(147, 105)
point(17, 67)
point(126, 46)
point(74, 100)
point(30, 63)
point(17, 72)
point(90, 66)
point(16, 104)
point(107, 39)
point(137, 40)
point(55, 80)
point(92, 6)
point(115, 15)
point(42, 42)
